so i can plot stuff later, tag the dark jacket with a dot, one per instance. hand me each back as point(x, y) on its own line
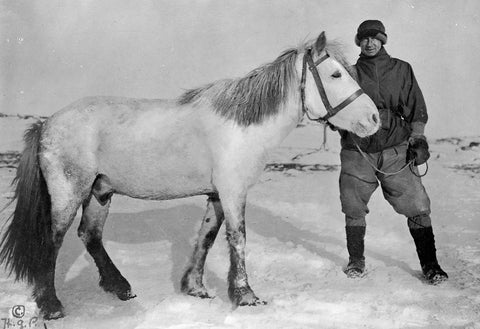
point(392, 86)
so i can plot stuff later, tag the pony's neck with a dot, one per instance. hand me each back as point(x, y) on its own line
point(289, 115)
point(274, 130)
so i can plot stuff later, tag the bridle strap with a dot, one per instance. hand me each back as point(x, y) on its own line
point(331, 111)
point(343, 104)
point(318, 81)
point(302, 85)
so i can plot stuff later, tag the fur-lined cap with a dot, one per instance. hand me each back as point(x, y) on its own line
point(371, 28)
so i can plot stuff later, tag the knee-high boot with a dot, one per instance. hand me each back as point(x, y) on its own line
point(425, 244)
point(355, 247)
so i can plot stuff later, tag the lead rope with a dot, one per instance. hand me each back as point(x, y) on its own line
point(324, 144)
point(409, 164)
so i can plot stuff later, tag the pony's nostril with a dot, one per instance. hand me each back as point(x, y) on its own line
point(374, 118)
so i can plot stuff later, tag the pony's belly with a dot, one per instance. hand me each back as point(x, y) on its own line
point(158, 176)
point(160, 185)
point(163, 194)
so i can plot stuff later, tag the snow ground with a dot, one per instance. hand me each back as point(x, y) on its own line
point(295, 252)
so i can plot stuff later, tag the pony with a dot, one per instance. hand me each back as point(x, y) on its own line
point(210, 141)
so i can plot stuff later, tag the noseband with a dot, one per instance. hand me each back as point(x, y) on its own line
point(331, 111)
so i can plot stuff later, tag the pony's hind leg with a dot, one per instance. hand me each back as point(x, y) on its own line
point(95, 212)
point(64, 205)
point(192, 281)
point(44, 288)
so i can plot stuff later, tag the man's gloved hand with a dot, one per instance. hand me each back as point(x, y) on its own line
point(418, 150)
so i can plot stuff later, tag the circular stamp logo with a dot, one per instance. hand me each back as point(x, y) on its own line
point(18, 311)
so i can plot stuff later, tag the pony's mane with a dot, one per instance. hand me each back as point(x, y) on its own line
point(260, 94)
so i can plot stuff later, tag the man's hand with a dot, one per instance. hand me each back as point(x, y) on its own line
point(418, 150)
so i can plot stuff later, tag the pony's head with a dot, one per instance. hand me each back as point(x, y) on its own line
point(325, 71)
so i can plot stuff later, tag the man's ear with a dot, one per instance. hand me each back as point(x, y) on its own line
point(320, 43)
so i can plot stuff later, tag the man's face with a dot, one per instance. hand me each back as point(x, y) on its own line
point(370, 46)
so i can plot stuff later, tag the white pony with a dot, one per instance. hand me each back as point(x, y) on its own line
point(210, 141)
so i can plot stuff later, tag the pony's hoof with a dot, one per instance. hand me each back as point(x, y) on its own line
point(199, 292)
point(244, 296)
point(52, 312)
point(255, 302)
point(126, 295)
point(50, 308)
point(53, 315)
point(120, 289)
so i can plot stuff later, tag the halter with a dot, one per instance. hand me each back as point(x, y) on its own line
point(331, 111)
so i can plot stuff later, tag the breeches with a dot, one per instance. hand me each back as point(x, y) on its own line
point(404, 191)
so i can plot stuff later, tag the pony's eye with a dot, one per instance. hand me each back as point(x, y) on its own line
point(336, 75)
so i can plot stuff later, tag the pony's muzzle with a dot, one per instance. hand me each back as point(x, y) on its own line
point(368, 126)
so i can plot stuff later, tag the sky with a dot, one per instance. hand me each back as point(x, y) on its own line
point(57, 51)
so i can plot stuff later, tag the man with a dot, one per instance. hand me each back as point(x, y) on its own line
point(381, 159)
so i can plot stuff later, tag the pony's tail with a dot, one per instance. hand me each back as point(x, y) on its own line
point(27, 243)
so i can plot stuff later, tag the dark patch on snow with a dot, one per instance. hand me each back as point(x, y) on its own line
point(470, 146)
point(23, 116)
point(281, 167)
point(450, 140)
point(9, 159)
point(471, 168)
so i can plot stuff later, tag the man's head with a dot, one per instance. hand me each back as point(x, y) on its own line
point(370, 37)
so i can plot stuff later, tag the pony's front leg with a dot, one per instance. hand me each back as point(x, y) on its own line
point(192, 281)
point(239, 290)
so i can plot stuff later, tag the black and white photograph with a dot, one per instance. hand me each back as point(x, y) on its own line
point(225, 164)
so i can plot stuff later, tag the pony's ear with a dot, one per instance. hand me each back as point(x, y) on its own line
point(320, 43)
